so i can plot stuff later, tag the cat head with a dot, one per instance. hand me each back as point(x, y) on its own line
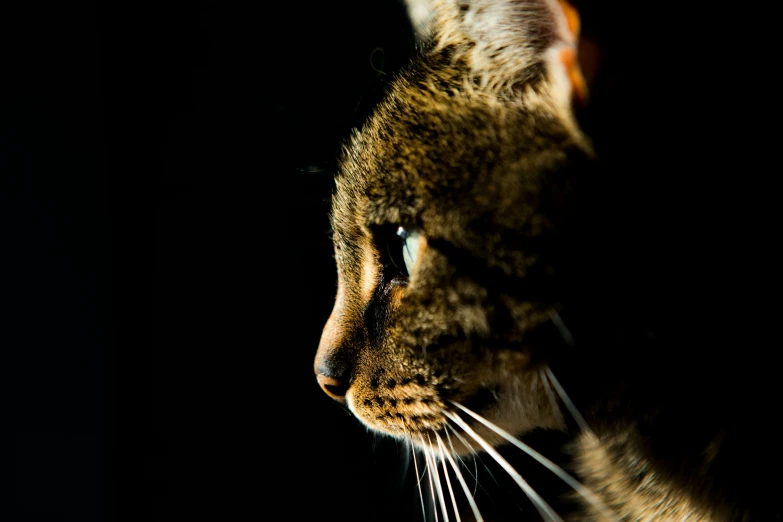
point(451, 220)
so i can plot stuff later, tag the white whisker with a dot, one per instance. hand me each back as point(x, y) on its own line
point(476, 459)
point(406, 458)
point(554, 468)
point(541, 505)
point(461, 479)
point(432, 486)
point(462, 439)
point(565, 333)
point(446, 474)
point(567, 401)
point(418, 480)
point(436, 478)
point(475, 455)
point(552, 400)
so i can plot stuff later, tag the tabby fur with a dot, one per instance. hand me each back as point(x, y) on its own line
point(523, 272)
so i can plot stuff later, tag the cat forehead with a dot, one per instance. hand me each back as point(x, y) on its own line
point(427, 151)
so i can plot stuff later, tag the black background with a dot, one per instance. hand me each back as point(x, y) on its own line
point(166, 171)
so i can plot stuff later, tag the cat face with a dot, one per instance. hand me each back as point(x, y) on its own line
point(451, 212)
point(471, 225)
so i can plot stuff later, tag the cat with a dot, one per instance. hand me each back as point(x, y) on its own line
point(510, 265)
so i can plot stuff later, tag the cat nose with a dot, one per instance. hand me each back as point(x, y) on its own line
point(334, 361)
point(333, 387)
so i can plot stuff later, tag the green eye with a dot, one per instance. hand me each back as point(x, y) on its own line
point(410, 247)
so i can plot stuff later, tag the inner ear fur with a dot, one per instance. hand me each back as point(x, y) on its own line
point(506, 41)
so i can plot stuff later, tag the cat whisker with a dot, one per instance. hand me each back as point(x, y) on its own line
point(433, 465)
point(565, 333)
point(567, 401)
point(476, 457)
point(461, 461)
point(446, 475)
point(433, 492)
point(462, 439)
point(406, 457)
point(461, 479)
point(540, 504)
point(552, 400)
point(554, 468)
point(418, 479)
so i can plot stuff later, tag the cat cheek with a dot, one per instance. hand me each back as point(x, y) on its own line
point(369, 273)
point(396, 295)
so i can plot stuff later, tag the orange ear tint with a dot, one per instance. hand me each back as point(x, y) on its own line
point(571, 16)
point(578, 84)
point(568, 56)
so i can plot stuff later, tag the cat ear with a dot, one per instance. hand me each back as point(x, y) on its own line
point(507, 41)
point(421, 14)
point(565, 51)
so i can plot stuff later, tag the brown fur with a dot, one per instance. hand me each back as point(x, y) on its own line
point(476, 145)
point(627, 483)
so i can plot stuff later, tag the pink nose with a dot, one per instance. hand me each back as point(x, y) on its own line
point(334, 388)
point(334, 362)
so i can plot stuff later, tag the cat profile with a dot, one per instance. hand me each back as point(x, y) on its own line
point(497, 279)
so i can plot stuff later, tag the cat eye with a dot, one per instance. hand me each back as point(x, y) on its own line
point(410, 247)
point(398, 248)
